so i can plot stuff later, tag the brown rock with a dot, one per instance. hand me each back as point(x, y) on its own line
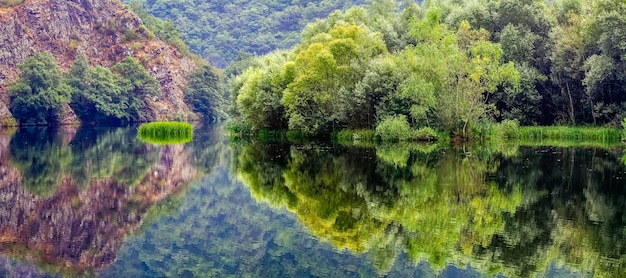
point(95, 28)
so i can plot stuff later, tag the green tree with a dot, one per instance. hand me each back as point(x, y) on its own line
point(205, 93)
point(258, 91)
point(102, 98)
point(464, 68)
point(136, 85)
point(325, 73)
point(40, 94)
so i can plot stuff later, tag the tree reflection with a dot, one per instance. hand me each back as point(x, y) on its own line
point(501, 209)
point(69, 197)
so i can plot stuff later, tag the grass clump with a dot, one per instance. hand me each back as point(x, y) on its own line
point(166, 133)
point(563, 133)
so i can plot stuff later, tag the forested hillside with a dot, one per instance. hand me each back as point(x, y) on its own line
point(67, 61)
point(218, 30)
point(455, 66)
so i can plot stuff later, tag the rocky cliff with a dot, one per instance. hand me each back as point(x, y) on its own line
point(102, 30)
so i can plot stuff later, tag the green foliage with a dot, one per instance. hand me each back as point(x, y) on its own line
point(356, 137)
point(624, 129)
point(597, 134)
point(205, 94)
point(39, 96)
point(130, 35)
point(452, 64)
point(425, 134)
point(394, 129)
point(507, 129)
point(166, 133)
point(163, 29)
point(218, 31)
point(136, 85)
point(342, 76)
point(116, 94)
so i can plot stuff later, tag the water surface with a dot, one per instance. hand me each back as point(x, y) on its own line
point(97, 201)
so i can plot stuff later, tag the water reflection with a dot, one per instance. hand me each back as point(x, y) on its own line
point(100, 202)
point(69, 197)
point(509, 210)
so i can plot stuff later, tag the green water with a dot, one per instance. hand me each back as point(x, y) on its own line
point(99, 202)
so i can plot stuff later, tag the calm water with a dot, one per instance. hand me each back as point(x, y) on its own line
point(97, 201)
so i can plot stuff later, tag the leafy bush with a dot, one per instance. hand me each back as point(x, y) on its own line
point(426, 134)
point(394, 128)
point(40, 94)
point(359, 135)
point(507, 129)
point(117, 94)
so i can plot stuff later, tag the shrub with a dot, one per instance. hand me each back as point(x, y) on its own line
point(130, 35)
point(395, 128)
point(507, 129)
point(38, 97)
point(359, 135)
point(425, 134)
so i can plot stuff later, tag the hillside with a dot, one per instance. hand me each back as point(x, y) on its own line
point(219, 30)
point(104, 31)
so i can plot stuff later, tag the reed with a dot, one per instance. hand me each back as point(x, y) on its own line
point(166, 133)
point(563, 133)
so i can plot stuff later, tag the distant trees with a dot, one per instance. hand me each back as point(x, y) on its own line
point(219, 30)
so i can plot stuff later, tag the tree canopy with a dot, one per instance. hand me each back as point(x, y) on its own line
point(449, 65)
point(219, 30)
point(39, 95)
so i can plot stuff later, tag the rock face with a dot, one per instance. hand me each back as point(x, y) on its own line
point(102, 30)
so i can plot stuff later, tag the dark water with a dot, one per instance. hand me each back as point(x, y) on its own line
point(99, 202)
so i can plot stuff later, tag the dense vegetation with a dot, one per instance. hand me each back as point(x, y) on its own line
point(41, 92)
point(219, 30)
point(98, 94)
point(449, 65)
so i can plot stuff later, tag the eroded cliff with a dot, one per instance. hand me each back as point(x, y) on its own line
point(102, 30)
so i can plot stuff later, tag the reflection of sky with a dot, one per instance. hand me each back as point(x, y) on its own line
point(220, 230)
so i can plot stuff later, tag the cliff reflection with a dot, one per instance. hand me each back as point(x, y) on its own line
point(68, 198)
point(511, 210)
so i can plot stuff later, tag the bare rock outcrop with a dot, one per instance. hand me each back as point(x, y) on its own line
point(102, 30)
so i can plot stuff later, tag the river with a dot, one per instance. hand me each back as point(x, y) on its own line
point(97, 201)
